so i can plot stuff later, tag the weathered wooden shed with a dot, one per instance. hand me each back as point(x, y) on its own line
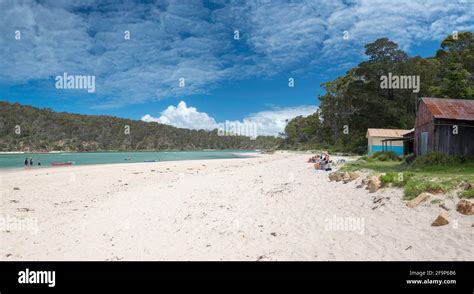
point(444, 125)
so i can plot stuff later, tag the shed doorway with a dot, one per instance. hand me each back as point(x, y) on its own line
point(423, 143)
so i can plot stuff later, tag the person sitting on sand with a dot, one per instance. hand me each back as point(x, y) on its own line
point(322, 162)
point(313, 159)
point(324, 158)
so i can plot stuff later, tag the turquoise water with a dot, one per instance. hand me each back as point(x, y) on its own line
point(83, 158)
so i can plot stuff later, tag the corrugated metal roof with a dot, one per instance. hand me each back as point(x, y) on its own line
point(458, 109)
point(392, 133)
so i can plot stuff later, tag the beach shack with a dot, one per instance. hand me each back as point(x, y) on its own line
point(408, 142)
point(385, 140)
point(444, 125)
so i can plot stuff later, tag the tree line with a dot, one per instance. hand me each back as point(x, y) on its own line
point(356, 101)
point(26, 128)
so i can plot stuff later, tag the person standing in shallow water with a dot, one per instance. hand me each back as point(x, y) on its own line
point(31, 161)
point(26, 162)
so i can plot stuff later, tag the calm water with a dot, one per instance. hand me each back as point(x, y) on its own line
point(17, 160)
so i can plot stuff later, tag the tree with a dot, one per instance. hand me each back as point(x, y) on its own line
point(357, 101)
point(455, 83)
point(384, 50)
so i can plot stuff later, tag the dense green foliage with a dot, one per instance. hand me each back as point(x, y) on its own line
point(436, 158)
point(45, 130)
point(396, 179)
point(383, 156)
point(356, 101)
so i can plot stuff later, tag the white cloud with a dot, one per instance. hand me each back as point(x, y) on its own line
point(267, 123)
point(183, 117)
point(272, 122)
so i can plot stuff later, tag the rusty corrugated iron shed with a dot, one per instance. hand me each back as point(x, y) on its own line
point(457, 109)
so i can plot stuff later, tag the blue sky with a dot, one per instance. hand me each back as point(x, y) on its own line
point(225, 79)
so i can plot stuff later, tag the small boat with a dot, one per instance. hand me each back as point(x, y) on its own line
point(57, 163)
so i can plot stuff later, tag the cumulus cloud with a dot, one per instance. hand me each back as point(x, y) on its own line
point(194, 40)
point(183, 116)
point(267, 123)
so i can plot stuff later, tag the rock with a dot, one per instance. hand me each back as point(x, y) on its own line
point(346, 177)
point(337, 176)
point(444, 207)
point(465, 207)
point(374, 184)
point(333, 176)
point(441, 220)
point(467, 186)
point(418, 199)
point(437, 191)
point(354, 175)
point(343, 176)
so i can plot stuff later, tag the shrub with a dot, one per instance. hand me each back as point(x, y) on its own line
point(409, 158)
point(416, 186)
point(384, 156)
point(437, 158)
point(388, 178)
point(396, 179)
point(467, 194)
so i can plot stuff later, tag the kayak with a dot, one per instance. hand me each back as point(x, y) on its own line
point(56, 163)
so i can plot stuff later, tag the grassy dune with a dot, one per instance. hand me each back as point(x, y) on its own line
point(432, 173)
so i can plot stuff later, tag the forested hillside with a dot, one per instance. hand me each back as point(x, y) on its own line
point(356, 101)
point(45, 130)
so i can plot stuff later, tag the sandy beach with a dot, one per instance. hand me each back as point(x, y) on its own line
point(270, 207)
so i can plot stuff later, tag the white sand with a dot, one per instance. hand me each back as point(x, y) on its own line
point(275, 207)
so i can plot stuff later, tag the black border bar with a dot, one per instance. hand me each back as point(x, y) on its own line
point(154, 275)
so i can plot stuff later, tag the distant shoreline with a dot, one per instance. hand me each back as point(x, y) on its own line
point(125, 151)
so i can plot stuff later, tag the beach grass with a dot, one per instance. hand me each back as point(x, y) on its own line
point(467, 194)
point(425, 174)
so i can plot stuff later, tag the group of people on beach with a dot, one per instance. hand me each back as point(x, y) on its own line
point(321, 161)
point(30, 161)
